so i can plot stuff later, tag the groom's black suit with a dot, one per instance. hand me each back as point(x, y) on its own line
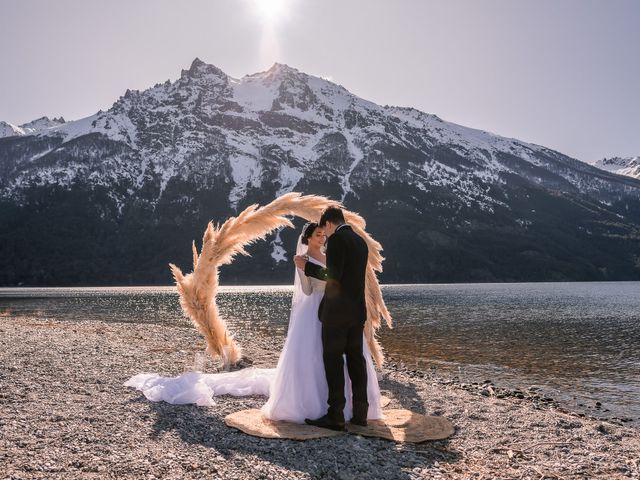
point(343, 312)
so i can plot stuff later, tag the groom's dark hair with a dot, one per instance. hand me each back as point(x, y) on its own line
point(331, 214)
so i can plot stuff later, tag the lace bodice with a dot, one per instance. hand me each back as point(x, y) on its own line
point(310, 284)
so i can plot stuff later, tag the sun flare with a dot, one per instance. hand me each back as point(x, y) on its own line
point(270, 10)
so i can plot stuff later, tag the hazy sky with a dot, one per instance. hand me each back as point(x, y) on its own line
point(561, 73)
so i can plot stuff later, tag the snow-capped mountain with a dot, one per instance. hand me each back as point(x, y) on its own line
point(38, 125)
point(441, 197)
point(629, 166)
point(305, 119)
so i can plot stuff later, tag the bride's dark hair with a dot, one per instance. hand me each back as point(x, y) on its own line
point(307, 231)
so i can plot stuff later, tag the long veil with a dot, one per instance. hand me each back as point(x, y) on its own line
point(298, 294)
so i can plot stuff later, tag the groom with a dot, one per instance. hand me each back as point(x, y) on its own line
point(343, 313)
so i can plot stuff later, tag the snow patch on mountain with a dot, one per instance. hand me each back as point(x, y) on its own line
point(465, 140)
point(245, 172)
point(288, 179)
point(253, 94)
point(10, 130)
point(629, 166)
point(278, 252)
point(356, 154)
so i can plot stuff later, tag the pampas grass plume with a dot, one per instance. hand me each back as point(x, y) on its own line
point(220, 245)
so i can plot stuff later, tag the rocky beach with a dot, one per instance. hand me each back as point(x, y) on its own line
point(64, 413)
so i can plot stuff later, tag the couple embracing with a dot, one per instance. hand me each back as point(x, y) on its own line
point(311, 382)
point(311, 373)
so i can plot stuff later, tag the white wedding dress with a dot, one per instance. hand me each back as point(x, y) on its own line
point(297, 387)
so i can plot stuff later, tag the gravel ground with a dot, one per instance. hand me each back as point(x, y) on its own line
point(64, 413)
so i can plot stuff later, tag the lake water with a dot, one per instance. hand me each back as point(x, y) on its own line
point(579, 342)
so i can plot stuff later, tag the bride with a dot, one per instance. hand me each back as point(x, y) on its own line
point(297, 387)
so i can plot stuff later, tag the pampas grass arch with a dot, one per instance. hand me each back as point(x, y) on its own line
point(221, 244)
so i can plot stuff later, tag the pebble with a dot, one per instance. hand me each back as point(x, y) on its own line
point(68, 414)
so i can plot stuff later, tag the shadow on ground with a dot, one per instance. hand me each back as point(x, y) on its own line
point(344, 457)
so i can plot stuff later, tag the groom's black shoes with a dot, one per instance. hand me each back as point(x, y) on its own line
point(361, 422)
point(326, 422)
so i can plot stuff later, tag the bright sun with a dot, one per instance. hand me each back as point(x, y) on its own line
point(270, 10)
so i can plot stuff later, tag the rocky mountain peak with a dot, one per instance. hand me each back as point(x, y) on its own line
point(275, 76)
point(200, 70)
point(282, 69)
point(41, 123)
point(620, 161)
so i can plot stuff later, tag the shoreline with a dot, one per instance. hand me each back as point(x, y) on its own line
point(538, 395)
point(288, 284)
point(66, 414)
